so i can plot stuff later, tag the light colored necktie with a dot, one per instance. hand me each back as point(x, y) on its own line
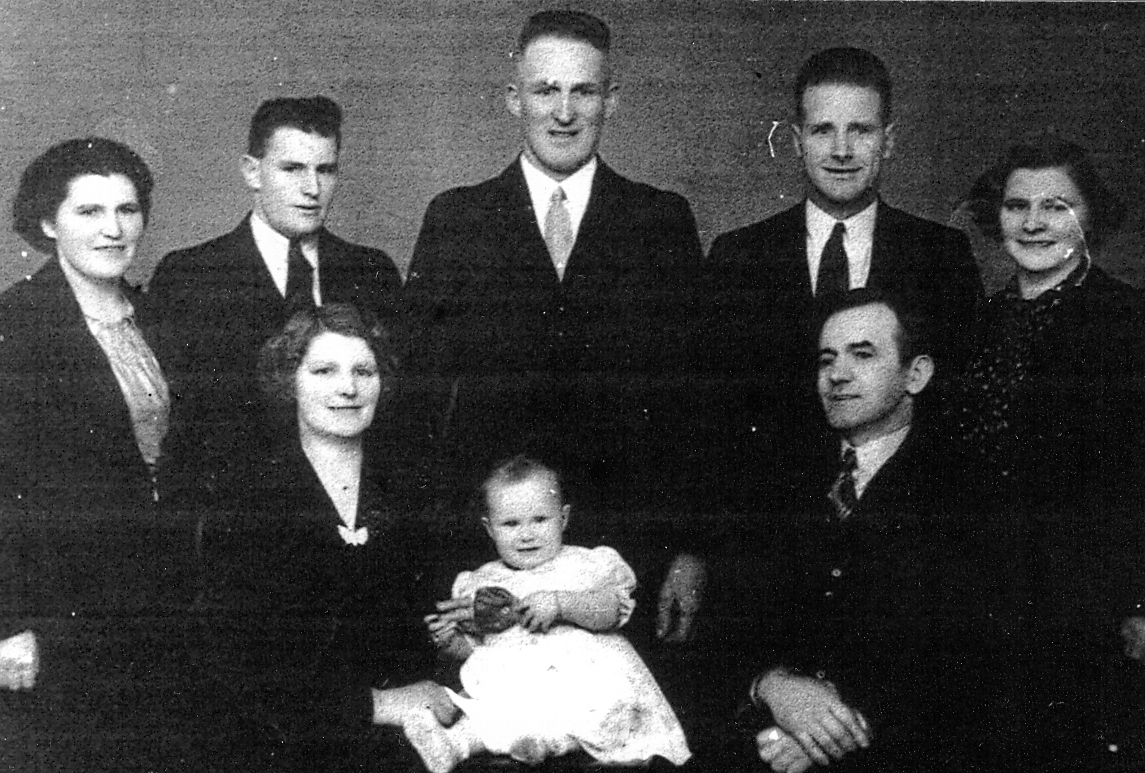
point(558, 231)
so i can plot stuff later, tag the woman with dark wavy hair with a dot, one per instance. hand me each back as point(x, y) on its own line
point(91, 568)
point(85, 401)
point(317, 583)
point(1052, 404)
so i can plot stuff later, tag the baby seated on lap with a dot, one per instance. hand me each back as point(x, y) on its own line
point(545, 670)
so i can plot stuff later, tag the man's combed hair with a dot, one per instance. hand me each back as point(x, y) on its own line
point(914, 336)
point(572, 25)
point(45, 183)
point(314, 115)
point(848, 66)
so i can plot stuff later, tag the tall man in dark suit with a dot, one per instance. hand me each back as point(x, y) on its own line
point(219, 301)
point(864, 615)
point(768, 275)
point(548, 290)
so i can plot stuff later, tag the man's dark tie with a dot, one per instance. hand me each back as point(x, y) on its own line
point(299, 278)
point(842, 493)
point(834, 276)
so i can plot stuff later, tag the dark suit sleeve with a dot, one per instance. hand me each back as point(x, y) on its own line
point(961, 292)
point(431, 290)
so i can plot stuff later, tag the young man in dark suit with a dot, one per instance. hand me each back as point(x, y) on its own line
point(767, 277)
point(549, 293)
point(218, 302)
point(864, 624)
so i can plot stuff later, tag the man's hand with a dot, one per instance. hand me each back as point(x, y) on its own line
point(1133, 634)
point(540, 610)
point(811, 712)
point(446, 623)
point(681, 596)
point(782, 752)
point(19, 661)
point(397, 705)
point(422, 711)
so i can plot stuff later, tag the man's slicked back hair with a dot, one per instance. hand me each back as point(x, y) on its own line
point(570, 25)
point(314, 115)
point(847, 66)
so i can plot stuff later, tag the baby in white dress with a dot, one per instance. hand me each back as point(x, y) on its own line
point(545, 671)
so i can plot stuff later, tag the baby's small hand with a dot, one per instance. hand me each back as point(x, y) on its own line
point(540, 610)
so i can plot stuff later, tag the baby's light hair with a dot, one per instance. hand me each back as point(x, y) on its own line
point(518, 469)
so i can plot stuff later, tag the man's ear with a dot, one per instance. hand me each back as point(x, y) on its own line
point(888, 140)
point(48, 227)
point(565, 517)
point(513, 100)
point(919, 373)
point(797, 138)
point(250, 167)
point(488, 526)
point(610, 99)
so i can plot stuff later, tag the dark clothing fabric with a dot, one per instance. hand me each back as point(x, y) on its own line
point(581, 372)
point(88, 560)
point(1052, 403)
point(884, 605)
point(215, 305)
point(301, 625)
point(66, 429)
point(762, 335)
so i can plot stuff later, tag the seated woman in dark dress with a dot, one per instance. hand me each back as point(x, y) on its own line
point(85, 565)
point(1052, 404)
point(316, 586)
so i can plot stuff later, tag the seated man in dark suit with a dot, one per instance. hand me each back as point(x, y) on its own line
point(217, 302)
point(766, 277)
point(863, 621)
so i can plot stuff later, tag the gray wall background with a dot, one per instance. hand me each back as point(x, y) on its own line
point(422, 82)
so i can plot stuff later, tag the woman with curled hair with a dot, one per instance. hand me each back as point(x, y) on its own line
point(1052, 404)
point(318, 584)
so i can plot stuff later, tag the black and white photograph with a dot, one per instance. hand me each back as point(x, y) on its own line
point(737, 386)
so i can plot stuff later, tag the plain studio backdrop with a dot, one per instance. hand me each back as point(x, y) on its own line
point(704, 87)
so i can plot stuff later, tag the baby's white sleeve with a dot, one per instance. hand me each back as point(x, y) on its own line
point(464, 585)
point(613, 573)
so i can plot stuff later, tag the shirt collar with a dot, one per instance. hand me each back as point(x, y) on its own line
point(275, 248)
point(858, 241)
point(860, 223)
point(872, 455)
point(577, 188)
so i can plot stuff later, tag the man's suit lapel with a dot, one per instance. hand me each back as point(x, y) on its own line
point(247, 269)
point(529, 262)
point(791, 253)
point(890, 492)
point(889, 264)
point(595, 238)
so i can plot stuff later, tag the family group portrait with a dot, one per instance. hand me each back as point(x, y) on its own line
point(740, 386)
